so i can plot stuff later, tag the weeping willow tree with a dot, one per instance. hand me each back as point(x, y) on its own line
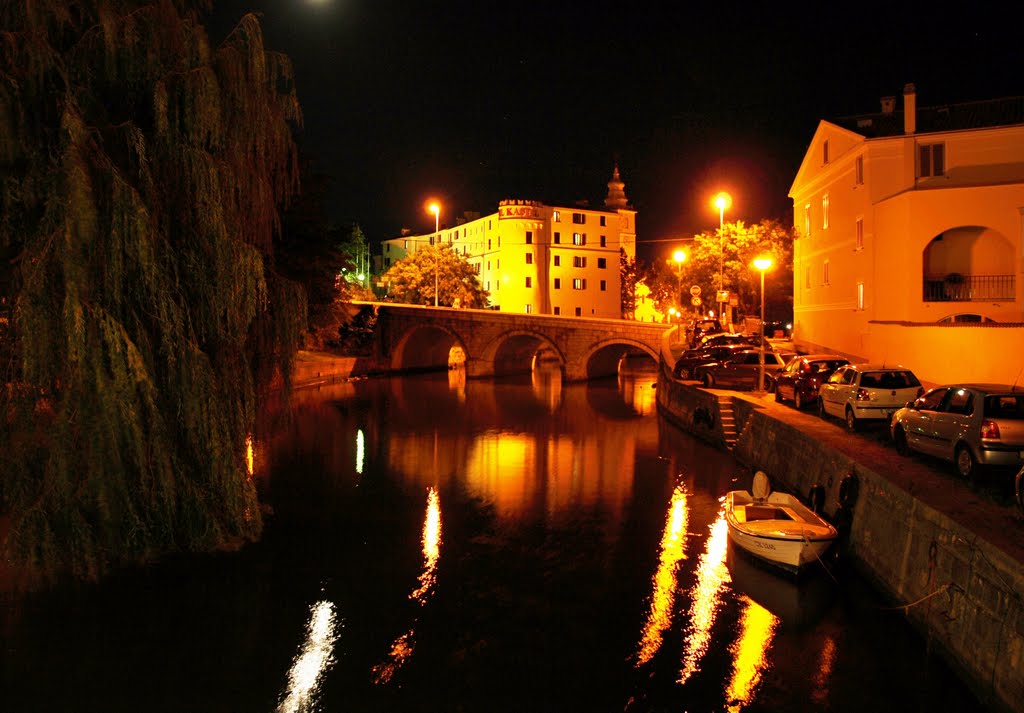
point(143, 171)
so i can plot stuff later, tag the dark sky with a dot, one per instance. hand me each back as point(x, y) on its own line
point(473, 102)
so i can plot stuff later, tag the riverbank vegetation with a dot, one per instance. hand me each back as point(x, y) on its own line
point(143, 173)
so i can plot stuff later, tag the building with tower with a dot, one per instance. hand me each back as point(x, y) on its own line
point(535, 258)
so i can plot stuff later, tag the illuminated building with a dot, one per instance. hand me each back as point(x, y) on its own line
point(909, 223)
point(536, 258)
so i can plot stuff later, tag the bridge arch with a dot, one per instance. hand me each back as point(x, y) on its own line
point(425, 347)
point(513, 352)
point(603, 358)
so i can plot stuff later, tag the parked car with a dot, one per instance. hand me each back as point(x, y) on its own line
point(859, 392)
point(741, 370)
point(803, 376)
point(692, 358)
point(970, 425)
point(722, 338)
point(700, 327)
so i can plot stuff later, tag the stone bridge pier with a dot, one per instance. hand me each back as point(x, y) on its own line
point(415, 338)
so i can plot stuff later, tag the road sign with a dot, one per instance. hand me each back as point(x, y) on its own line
point(695, 290)
point(695, 301)
point(723, 295)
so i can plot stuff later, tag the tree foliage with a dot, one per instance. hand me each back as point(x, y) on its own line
point(142, 172)
point(628, 278)
point(412, 279)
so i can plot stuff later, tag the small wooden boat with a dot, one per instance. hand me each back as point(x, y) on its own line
point(776, 527)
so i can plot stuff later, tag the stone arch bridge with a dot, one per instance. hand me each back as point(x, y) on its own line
point(415, 338)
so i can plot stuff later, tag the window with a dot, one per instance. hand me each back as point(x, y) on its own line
point(558, 238)
point(528, 309)
point(579, 312)
point(387, 247)
point(558, 260)
point(824, 211)
point(824, 273)
point(556, 216)
point(604, 286)
point(858, 171)
point(824, 152)
point(579, 238)
point(432, 239)
point(488, 243)
point(579, 261)
point(604, 241)
point(558, 310)
point(488, 264)
point(860, 295)
point(602, 263)
point(558, 283)
point(859, 234)
point(529, 282)
point(931, 160)
point(498, 266)
point(529, 258)
point(807, 220)
point(579, 218)
point(529, 237)
point(579, 284)
point(405, 245)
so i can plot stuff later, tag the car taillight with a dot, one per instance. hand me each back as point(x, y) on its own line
point(863, 395)
point(990, 430)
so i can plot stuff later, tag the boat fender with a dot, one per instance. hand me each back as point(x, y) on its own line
point(848, 488)
point(816, 497)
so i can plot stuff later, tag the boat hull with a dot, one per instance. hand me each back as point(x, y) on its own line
point(780, 531)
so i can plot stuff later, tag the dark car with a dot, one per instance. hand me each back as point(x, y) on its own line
point(741, 370)
point(701, 327)
point(692, 358)
point(968, 424)
point(723, 338)
point(803, 376)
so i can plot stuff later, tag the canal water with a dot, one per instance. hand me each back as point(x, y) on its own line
point(438, 545)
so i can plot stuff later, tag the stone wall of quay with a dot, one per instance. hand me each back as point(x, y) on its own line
point(961, 591)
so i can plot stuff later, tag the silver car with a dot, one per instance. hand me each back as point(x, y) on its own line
point(859, 392)
point(968, 424)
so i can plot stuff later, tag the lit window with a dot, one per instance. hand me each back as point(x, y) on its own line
point(604, 286)
point(824, 211)
point(579, 284)
point(824, 273)
point(405, 245)
point(558, 260)
point(558, 283)
point(529, 237)
point(529, 309)
point(579, 238)
point(579, 261)
point(529, 258)
point(931, 160)
point(860, 295)
point(859, 171)
point(556, 216)
point(859, 234)
point(602, 263)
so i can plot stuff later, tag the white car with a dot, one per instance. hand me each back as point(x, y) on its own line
point(858, 392)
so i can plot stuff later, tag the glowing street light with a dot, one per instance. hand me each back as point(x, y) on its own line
point(721, 201)
point(762, 264)
point(435, 208)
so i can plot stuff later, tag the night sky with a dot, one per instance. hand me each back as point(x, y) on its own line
point(474, 102)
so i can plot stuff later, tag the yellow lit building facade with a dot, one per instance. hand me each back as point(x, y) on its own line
point(538, 259)
point(909, 222)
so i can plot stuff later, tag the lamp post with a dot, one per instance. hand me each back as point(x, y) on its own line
point(435, 208)
point(722, 201)
point(762, 264)
point(679, 257)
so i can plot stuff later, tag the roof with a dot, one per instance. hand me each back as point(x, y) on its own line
point(947, 117)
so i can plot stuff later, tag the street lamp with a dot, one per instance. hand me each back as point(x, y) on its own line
point(762, 264)
point(721, 201)
point(435, 208)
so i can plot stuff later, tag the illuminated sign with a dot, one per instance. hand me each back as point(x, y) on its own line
point(518, 211)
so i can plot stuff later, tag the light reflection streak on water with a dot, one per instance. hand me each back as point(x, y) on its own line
point(249, 455)
point(750, 653)
point(711, 575)
point(360, 451)
point(673, 543)
point(402, 648)
point(313, 660)
point(824, 674)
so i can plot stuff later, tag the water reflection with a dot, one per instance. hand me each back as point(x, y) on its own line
point(750, 653)
point(402, 648)
point(312, 662)
point(673, 549)
point(712, 574)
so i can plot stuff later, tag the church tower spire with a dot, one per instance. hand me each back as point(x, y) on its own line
point(616, 197)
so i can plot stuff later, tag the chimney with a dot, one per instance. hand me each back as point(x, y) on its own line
point(909, 109)
point(888, 105)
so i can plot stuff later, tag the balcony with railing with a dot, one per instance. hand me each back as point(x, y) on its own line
point(956, 287)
